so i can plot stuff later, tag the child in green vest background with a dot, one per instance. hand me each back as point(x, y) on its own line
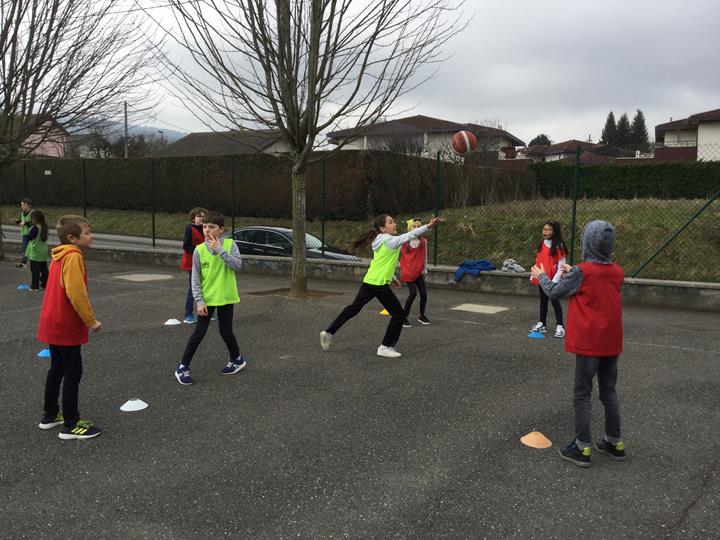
point(376, 283)
point(24, 222)
point(214, 287)
point(37, 251)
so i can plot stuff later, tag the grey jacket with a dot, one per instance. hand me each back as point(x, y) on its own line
point(598, 243)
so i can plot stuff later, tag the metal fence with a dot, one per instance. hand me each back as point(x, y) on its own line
point(657, 237)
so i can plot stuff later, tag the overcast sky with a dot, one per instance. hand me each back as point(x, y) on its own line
point(558, 67)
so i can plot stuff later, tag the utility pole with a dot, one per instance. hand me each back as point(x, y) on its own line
point(126, 132)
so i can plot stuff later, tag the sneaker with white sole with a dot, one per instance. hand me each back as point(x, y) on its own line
point(406, 323)
point(388, 352)
point(49, 422)
point(190, 319)
point(559, 331)
point(539, 327)
point(233, 366)
point(182, 374)
point(326, 339)
point(422, 319)
point(84, 429)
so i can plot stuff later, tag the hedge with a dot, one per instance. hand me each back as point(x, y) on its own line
point(669, 180)
point(358, 184)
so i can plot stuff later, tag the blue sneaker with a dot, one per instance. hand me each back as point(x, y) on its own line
point(182, 374)
point(233, 366)
point(190, 319)
point(84, 429)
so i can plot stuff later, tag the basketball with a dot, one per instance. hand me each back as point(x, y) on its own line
point(464, 142)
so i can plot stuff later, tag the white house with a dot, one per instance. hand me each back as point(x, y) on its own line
point(420, 135)
point(698, 133)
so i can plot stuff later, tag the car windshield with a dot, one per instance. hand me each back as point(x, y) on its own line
point(311, 242)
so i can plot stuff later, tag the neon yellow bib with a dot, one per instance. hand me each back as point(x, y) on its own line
point(382, 267)
point(217, 279)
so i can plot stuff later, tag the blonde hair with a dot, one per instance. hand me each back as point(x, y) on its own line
point(411, 222)
point(68, 225)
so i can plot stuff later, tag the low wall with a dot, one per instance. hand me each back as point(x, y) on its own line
point(643, 292)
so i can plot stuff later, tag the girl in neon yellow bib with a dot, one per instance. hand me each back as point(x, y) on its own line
point(376, 283)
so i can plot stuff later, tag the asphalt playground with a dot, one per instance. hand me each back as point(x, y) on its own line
point(343, 444)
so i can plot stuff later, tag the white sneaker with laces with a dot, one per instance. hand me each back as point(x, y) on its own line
point(388, 352)
point(539, 327)
point(326, 339)
point(559, 331)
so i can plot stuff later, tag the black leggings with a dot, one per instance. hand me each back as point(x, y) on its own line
point(388, 300)
point(413, 288)
point(544, 308)
point(225, 320)
point(39, 273)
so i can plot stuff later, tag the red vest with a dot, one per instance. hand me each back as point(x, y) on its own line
point(412, 261)
point(197, 239)
point(594, 323)
point(549, 261)
point(59, 322)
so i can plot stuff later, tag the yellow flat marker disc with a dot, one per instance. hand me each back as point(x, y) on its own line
point(384, 312)
point(535, 439)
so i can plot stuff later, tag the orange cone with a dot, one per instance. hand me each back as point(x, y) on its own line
point(535, 439)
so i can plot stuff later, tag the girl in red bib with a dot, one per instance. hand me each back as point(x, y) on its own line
point(413, 267)
point(551, 253)
point(193, 237)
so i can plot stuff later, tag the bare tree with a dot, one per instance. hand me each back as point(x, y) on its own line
point(304, 66)
point(64, 64)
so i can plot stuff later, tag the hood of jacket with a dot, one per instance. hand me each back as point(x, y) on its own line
point(63, 249)
point(598, 242)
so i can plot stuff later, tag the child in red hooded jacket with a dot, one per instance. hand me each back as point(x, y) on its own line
point(594, 335)
point(413, 267)
point(65, 318)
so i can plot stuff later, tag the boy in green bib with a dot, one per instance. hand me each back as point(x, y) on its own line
point(214, 287)
point(376, 283)
point(37, 251)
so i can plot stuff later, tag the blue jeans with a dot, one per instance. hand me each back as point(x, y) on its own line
point(23, 247)
point(189, 301)
point(586, 367)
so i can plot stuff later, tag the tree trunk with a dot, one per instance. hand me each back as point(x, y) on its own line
point(2, 234)
point(298, 284)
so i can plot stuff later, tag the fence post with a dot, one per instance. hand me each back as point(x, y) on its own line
point(576, 187)
point(322, 207)
point(232, 195)
point(677, 233)
point(437, 206)
point(84, 187)
point(152, 198)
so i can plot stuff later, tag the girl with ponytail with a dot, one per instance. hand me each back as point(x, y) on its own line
point(386, 246)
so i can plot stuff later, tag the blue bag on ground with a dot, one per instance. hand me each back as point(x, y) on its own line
point(473, 267)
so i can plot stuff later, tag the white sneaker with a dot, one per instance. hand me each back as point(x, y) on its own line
point(326, 339)
point(388, 352)
point(559, 331)
point(539, 327)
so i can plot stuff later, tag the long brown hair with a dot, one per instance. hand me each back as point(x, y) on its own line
point(38, 218)
point(557, 242)
point(368, 236)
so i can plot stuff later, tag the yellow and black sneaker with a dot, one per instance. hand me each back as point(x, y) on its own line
point(84, 429)
point(615, 451)
point(575, 455)
point(49, 422)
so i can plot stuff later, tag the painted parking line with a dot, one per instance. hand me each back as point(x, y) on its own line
point(480, 308)
point(144, 277)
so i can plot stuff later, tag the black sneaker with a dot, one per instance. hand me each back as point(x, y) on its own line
point(49, 422)
point(575, 455)
point(406, 323)
point(182, 374)
point(21, 265)
point(615, 451)
point(84, 429)
point(422, 319)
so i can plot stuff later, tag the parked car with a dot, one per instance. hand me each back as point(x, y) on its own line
point(278, 242)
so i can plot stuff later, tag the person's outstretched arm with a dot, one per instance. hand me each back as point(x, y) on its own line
point(568, 284)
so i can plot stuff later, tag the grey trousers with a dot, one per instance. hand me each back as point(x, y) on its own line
point(586, 367)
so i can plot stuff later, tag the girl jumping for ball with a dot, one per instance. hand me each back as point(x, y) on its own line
point(376, 283)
